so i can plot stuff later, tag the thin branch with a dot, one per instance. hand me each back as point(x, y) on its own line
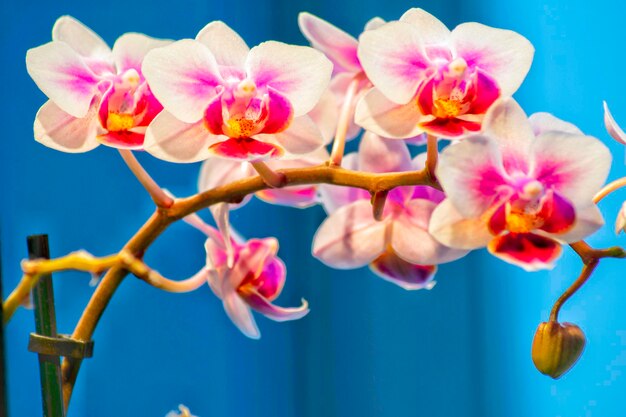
point(609, 188)
point(432, 156)
point(378, 204)
point(584, 276)
point(345, 118)
point(160, 197)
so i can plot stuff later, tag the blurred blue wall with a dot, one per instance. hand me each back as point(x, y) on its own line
point(367, 348)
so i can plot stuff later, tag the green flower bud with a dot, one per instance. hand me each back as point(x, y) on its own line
point(557, 347)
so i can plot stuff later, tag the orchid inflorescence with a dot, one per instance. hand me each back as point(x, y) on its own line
point(273, 120)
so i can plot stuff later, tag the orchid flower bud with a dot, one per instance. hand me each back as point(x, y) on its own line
point(557, 347)
point(620, 223)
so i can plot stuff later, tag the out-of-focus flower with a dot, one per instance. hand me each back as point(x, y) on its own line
point(521, 188)
point(184, 412)
point(341, 49)
point(430, 79)
point(612, 127)
point(97, 95)
point(398, 248)
point(255, 279)
point(620, 223)
point(224, 99)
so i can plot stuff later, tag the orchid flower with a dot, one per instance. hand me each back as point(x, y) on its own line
point(97, 95)
point(521, 188)
point(222, 98)
point(398, 248)
point(184, 412)
point(341, 49)
point(430, 79)
point(251, 282)
point(620, 223)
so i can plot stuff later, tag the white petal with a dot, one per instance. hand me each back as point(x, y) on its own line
point(81, 39)
point(58, 130)
point(545, 122)
point(588, 221)
point(450, 228)
point(225, 44)
point(130, 49)
point(374, 23)
point(301, 137)
point(240, 314)
point(432, 30)
point(216, 172)
point(612, 127)
point(382, 116)
point(383, 155)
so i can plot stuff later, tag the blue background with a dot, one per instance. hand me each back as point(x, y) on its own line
point(367, 348)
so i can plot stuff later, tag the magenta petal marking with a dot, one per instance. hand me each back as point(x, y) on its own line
point(487, 92)
point(269, 283)
point(246, 148)
point(497, 221)
point(213, 115)
point(124, 139)
point(300, 197)
point(392, 268)
point(450, 128)
point(528, 250)
point(280, 112)
point(558, 214)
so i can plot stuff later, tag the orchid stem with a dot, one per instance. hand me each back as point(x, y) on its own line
point(270, 177)
point(378, 204)
point(609, 188)
point(345, 118)
point(584, 276)
point(432, 155)
point(159, 196)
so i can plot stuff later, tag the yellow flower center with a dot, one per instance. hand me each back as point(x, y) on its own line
point(519, 222)
point(120, 121)
point(445, 108)
point(240, 127)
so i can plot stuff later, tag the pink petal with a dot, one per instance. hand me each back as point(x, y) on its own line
point(253, 258)
point(376, 113)
point(225, 44)
point(299, 197)
point(170, 139)
point(377, 154)
point(411, 240)
point(612, 127)
point(240, 314)
point(503, 54)
point(450, 128)
point(301, 137)
point(130, 49)
point(487, 92)
point(575, 166)
point(124, 139)
point(338, 46)
point(559, 215)
point(221, 214)
point(300, 73)
point(217, 172)
point(396, 270)
point(527, 250)
point(184, 76)
point(62, 75)
point(472, 175)
point(280, 112)
point(545, 122)
point(339, 86)
point(394, 60)
point(325, 115)
point(450, 228)
point(588, 221)
point(274, 312)
point(432, 30)
point(246, 149)
point(350, 237)
point(214, 115)
point(58, 130)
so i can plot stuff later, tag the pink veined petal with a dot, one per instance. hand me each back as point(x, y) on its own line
point(170, 139)
point(280, 112)
point(503, 54)
point(350, 237)
point(472, 175)
point(124, 139)
point(301, 137)
point(545, 122)
point(274, 312)
point(588, 221)
point(58, 130)
point(184, 76)
point(394, 60)
point(575, 166)
point(130, 49)
point(338, 46)
point(299, 197)
point(559, 215)
point(376, 113)
point(61, 74)
point(506, 123)
point(333, 197)
point(300, 73)
point(325, 115)
point(374, 23)
point(239, 313)
point(246, 149)
point(432, 30)
point(377, 154)
point(396, 270)
point(85, 42)
point(527, 250)
point(612, 127)
point(225, 44)
point(450, 228)
point(487, 92)
point(411, 240)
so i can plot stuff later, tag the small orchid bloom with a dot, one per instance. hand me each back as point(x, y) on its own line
point(255, 279)
point(341, 48)
point(97, 95)
point(521, 188)
point(184, 412)
point(398, 248)
point(224, 99)
point(430, 79)
point(612, 127)
point(620, 223)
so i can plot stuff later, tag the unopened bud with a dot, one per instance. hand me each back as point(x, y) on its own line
point(557, 347)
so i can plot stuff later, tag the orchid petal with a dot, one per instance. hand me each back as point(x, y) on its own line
point(298, 197)
point(396, 270)
point(527, 250)
point(377, 154)
point(374, 23)
point(575, 166)
point(411, 240)
point(274, 312)
point(503, 54)
point(338, 46)
point(350, 237)
point(394, 60)
point(612, 127)
point(124, 139)
point(588, 221)
point(545, 122)
point(450, 228)
point(324, 115)
point(300, 73)
point(333, 197)
point(58, 130)
point(62, 75)
point(339, 86)
point(247, 149)
point(376, 113)
point(240, 314)
point(217, 172)
point(280, 112)
point(252, 259)
point(620, 221)
point(558, 214)
point(432, 30)
point(184, 76)
point(130, 49)
point(170, 139)
point(301, 137)
point(221, 213)
point(85, 42)
point(229, 49)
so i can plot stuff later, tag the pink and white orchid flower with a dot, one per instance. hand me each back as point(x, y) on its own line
point(255, 278)
point(224, 99)
point(430, 79)
point(97, 95)
point(521, 188)
point(398, 248)
point(620, 222)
